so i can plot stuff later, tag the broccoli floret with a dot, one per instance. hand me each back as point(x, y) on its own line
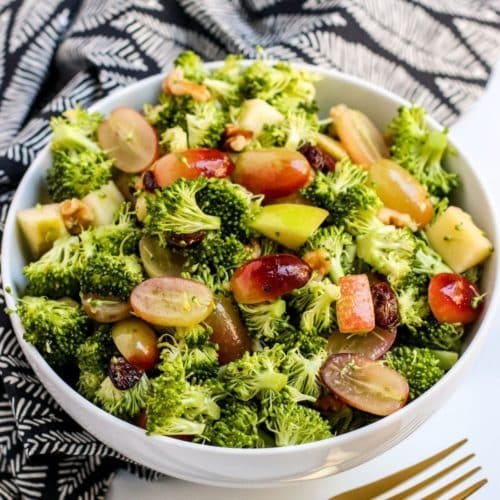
point(173, 140)
point(314, 302)
point(344, 192)
point(75, 129)
point(175, 406)
point(297, 129)
point(56, 273)
point(420, 150)
point(226, 92)
point(420, 366)
point(388, 249)
point(199, 355)
point(92, 357)
point(109, 265)
point(265, 81)
point(233, 204)
point(200, 362)
point(170, 112)
point(224, 83)
point(474, 274)
point(427, 261)
point(205, 125)
point(192, 66)
point(214, 259)
point(237, 427)
point(434, 335)
point(121, 237)
point(308, 343)
point(413, 306)
point(266, 321)
point(231, 70)
point(55, 327)
point(280, 85)
point(74, 174)
point(290, 422)
point(252, 373)
point(174, 210)
point(339, 247)
point(303, 371)
point(267, 246)
point(123, 404)
point(193, 335)
point(111, 275)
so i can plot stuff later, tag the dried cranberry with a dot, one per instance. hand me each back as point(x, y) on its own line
point(149, 181)
point(123, 374)
point(185, 240)
point(329, 403)
point(385, 304)
point(318, 159)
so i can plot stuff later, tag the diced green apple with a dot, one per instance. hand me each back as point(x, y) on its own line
point(458, 240)
point(255, 113)
point(104, 203)
point(41, 226)
point(289, 224)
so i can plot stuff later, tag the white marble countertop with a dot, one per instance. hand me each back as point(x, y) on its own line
point(473, 411)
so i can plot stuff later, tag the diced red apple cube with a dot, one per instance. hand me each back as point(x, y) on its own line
point(355, 313)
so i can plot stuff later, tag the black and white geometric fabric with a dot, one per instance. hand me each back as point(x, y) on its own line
point(57, 53)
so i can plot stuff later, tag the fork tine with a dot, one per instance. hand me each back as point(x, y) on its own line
point(438, 475)
point(387, 483)
point(447, 487)
point(470, 490)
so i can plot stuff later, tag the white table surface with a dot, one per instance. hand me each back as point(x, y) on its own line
point(473, 411)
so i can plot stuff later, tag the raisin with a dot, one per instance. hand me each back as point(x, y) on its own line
point(317, 158)
point(123, 374)
point(185, 240)
point(385, 304)
point(149, 182)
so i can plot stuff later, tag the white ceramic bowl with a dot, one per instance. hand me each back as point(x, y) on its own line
point(273, 466)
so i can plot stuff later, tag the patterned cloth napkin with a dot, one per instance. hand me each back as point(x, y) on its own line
point(57, 53)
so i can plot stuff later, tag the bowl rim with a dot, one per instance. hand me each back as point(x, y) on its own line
point(66, 391)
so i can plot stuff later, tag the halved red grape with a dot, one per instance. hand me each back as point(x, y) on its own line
point(129, 139)
point(229, 332)
point(159, 261)
point(268, 278)
point(191, 164)
point(454, 299)
point(273, 172)
point(367, 385)
point(168, 301)
point(105, 309)
point(137, 343)
point(372, 345)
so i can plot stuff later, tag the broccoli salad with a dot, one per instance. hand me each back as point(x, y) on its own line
point(228, 268)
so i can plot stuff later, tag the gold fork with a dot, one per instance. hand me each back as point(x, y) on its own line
point(371, 490)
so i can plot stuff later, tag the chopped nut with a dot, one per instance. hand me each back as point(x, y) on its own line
point(237, 138)
point(337, 110)
point(398, 219)
point(175, 84)
point(319, 261)
point(254, 245)
point(76, 215)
